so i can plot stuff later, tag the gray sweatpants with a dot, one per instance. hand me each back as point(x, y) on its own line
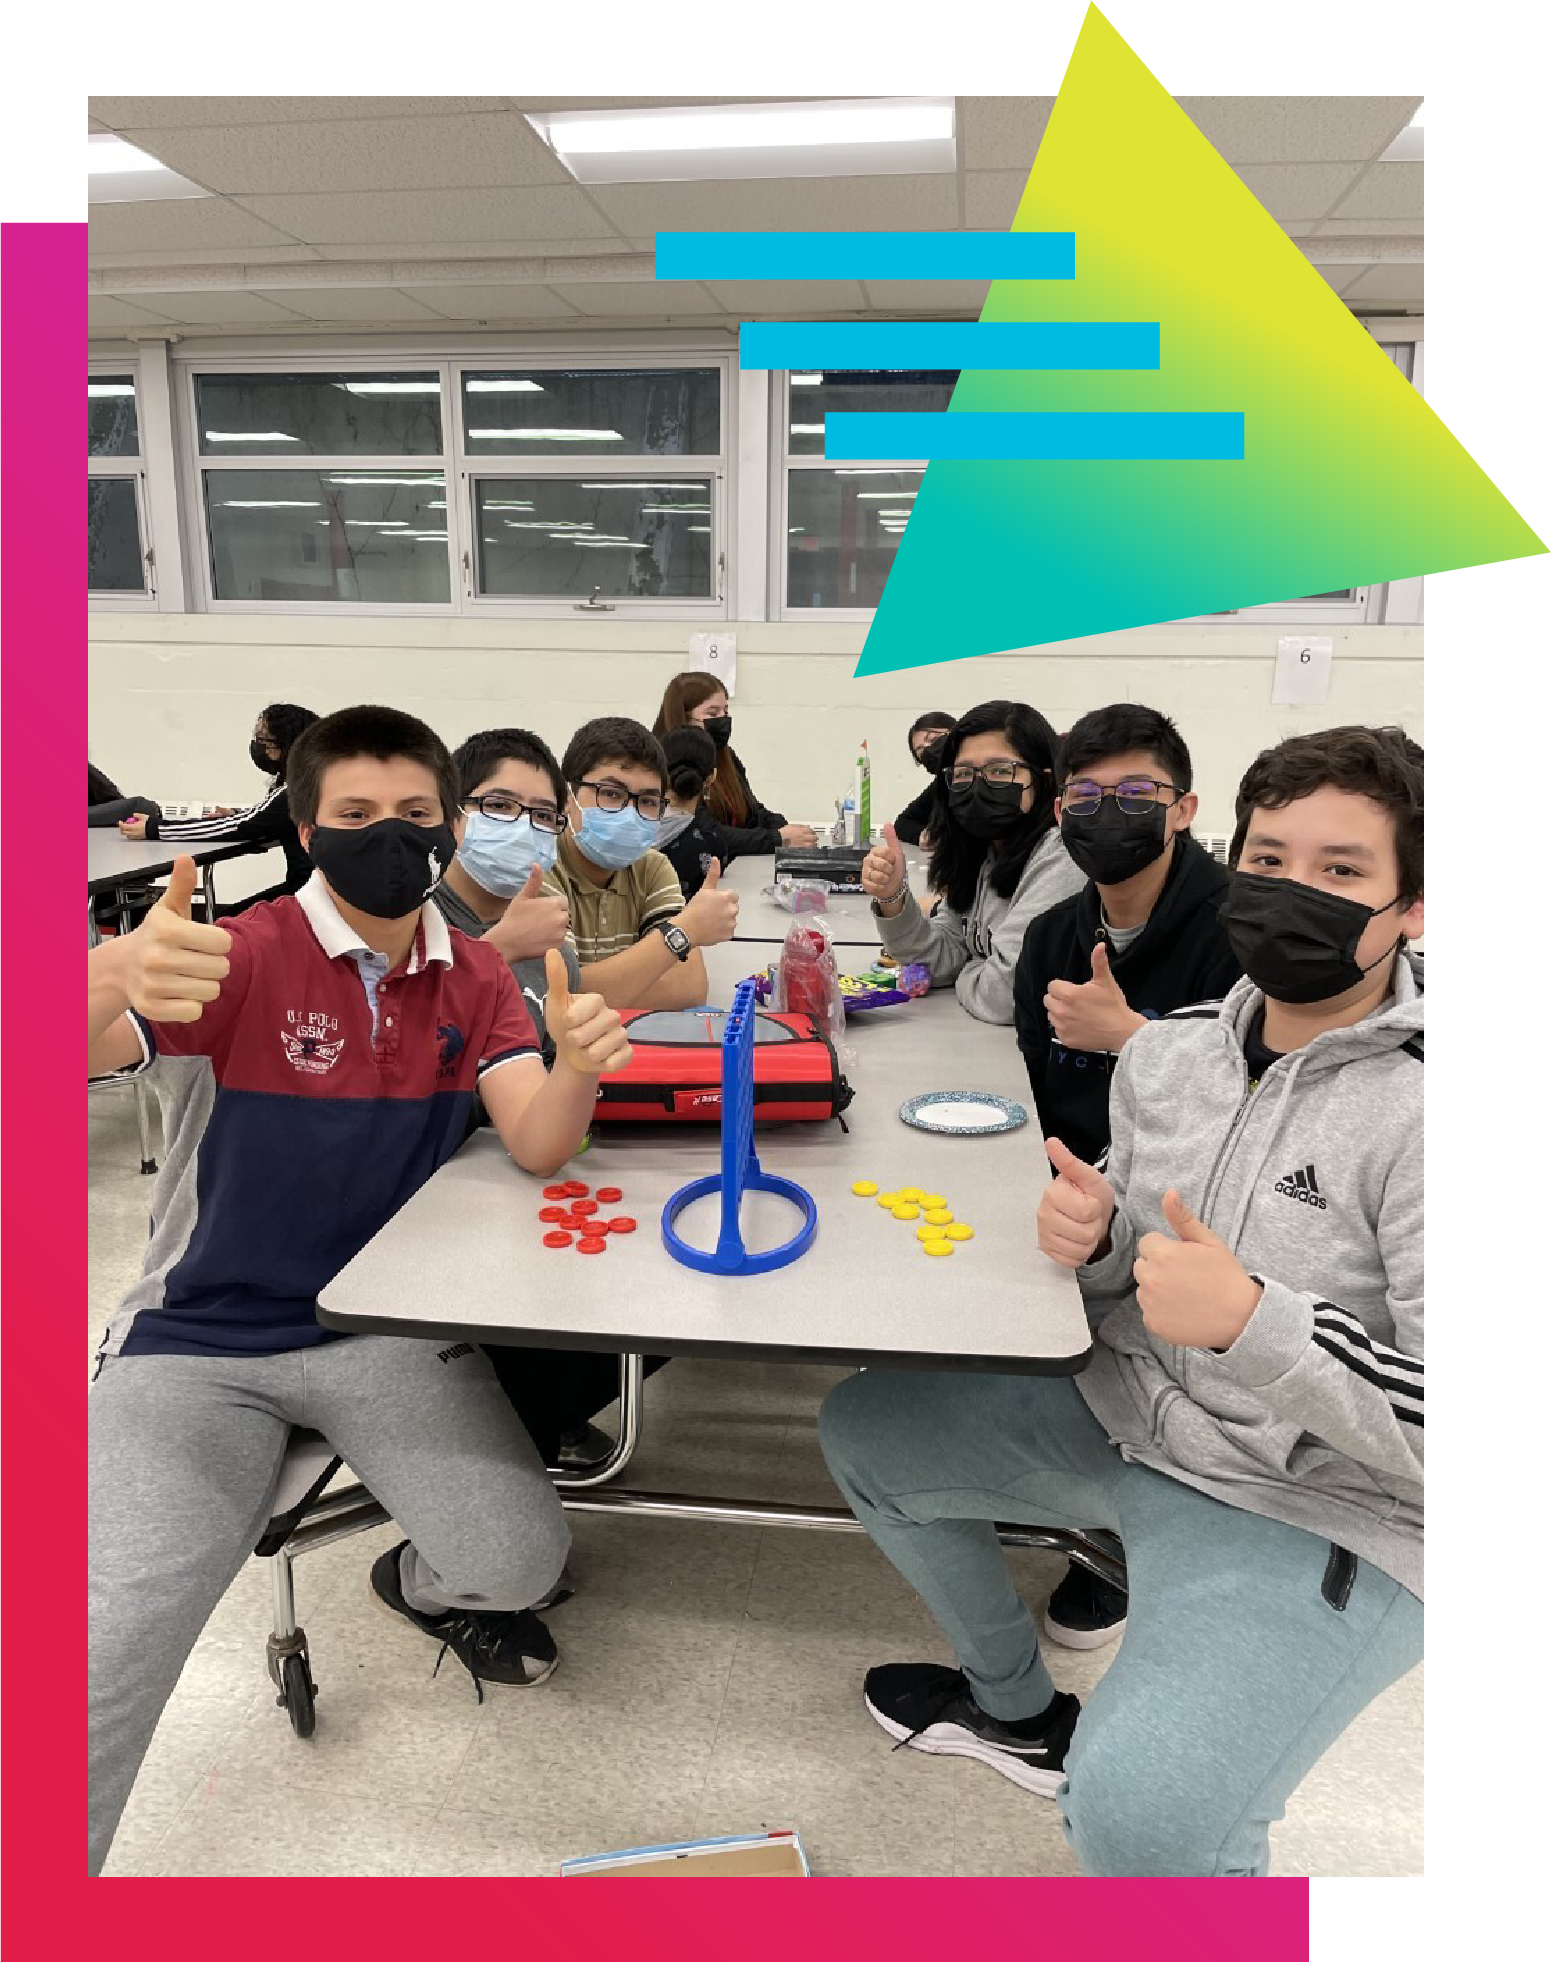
point(1235, 1674)
point(184, 1455)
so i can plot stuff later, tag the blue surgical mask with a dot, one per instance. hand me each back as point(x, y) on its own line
point(673, 825)
point(615, 839)
point(499, 854)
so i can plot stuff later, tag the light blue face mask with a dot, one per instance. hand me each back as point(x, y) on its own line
point(499, 855)
point(673, 825)
point(615, 839)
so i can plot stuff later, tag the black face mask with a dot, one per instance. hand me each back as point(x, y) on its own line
point(719, 729)
point(1112, 847)
point(386, 869)
point(985, 810)
point(930, 758)
point(1295, 942)
point(262, 760)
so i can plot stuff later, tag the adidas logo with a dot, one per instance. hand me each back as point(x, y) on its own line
point(1303, 1187)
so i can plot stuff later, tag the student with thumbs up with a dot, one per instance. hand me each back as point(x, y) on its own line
point(1249, 1422)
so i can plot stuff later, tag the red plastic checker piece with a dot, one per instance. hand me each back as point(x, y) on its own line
point(573, 1189)
point(610, 1194)
point(591, 1243)
point(623, 1223)
point(552, 1215)
point(557, 1192)
point(557, 1239)
point(583, 1207)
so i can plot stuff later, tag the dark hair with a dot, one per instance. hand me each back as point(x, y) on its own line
point(1121, 727)
point(1381, 764)
point(285, 722)
point(611, 738)
point(483, 753)
point(691, 756)
point(934, 719)
point(956, 857)
point(684, 693)
point(369, 731)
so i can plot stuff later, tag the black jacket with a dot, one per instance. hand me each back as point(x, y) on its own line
point(1180, 957)
point(763, 824)
point(267, 822)
point(706, 838)
point(916, 815)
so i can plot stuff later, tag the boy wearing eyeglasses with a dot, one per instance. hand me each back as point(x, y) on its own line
point(1139, 941)
point(636, 938)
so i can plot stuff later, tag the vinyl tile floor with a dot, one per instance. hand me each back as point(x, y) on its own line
point(709, 1683)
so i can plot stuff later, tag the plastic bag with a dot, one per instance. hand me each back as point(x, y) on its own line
point(807, 979)
point(799, 895)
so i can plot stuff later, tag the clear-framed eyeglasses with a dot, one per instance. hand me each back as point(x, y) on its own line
point(1134, 796)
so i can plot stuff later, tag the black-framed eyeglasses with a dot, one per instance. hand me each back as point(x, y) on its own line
point(506, 809)
point(614, 797)
point(1134, 796)
point(999, 773)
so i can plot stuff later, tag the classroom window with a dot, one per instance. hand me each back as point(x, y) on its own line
point(567, 536)
point(118, 560)
point(607, 413)
point(294, 415)
point(373, 537)
point(115, 556)
point(843, 522)
point(112, 418)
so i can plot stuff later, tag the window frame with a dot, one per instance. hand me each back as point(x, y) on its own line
point(147, 599)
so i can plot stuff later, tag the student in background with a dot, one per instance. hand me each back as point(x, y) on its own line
point(637, 939)
point(690, 838)
point(997, 856)
point(317, 1060)
point(269, 821)
point(928, 735)
point(1140, 940)
point(702, 700)
point(1251, 1417)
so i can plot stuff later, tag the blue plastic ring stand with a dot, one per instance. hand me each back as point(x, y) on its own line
point(743, 1262)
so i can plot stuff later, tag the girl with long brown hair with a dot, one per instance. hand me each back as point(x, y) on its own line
point(699, 700)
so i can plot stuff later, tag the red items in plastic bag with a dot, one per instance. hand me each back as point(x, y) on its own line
point(807, 979)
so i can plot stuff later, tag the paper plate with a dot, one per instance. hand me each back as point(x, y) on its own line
point(963, 1113)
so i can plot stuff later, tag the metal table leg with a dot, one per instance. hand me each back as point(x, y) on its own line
point(631, 1383)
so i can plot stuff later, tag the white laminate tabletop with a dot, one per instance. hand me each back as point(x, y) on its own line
point(848, 915)
point(112, 859)
point(465, 1257)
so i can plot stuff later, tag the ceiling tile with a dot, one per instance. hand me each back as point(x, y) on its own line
point(398, 153)
point(178, 225)
point(991, 198)
point(515, 218)
point(1394, 283)
point(213, 307)
point(494, 303)
point(1271, 129)
point(169, 262)
point(782, 204)
point(1338, 277)
point(347, 303)
point(950, 296)
point(1001, 132)
point(96, 128)
point(1389, 191)
point(1299, 190)
point(220, 111)
point(755, 299)
point(638, 298)
point(443, 251)
point(1410, 228)
point(104, 311)
point(535, 103)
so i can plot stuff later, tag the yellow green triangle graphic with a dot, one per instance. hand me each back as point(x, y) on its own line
point(1347, 479)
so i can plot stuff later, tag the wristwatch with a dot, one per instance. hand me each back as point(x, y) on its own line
point(679, 944)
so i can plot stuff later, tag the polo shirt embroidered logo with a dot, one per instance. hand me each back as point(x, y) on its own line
point(452, 1048)
point(306, 1042)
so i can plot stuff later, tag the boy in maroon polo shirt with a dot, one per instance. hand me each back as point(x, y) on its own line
point(316, 1061)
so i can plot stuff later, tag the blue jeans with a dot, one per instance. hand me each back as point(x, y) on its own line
point(1235, 1674)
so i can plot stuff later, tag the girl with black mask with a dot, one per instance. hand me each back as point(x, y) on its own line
point(268, 822)
point(689, 836)
point(928, 739)
point(997, 857)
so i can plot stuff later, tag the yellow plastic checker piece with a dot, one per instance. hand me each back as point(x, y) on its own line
point(933, 1199)
point(938, 1215)
point(929, 1233)
point(959, 1231)
point(864, 1188)
point(912, 1192)
point(888, 1200)
point(907, 1211)
point(938, 1247)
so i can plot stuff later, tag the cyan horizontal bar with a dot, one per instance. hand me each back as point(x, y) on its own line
point(866, 255)
point(1165, 436)
point(951, 344)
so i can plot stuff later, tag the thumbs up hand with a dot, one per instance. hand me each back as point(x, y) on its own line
point(883, 869)
point(173, 965)
point(588, 1035)
point(712, 915)
point(1075, 1209)
point(1190, 1288)
point(1092, 1015)
point(533, 923)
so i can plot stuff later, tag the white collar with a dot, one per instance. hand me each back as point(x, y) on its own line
point(335, 936)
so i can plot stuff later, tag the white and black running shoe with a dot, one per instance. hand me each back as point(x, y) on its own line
point(1085, 1612)
point(494, 1647)
point(928, 1708)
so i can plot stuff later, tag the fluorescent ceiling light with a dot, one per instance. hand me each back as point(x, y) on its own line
point(592, 538)
point(543, 524)
point(493, 504)
point(806, 381)
point(391, 388)
point(424, 534)
point(118, 173)
point(504, 387)
point(753, 139)
point(675, 507)
point(893, 514)
point(610, 545)
point(272, 503)
point(250, 436)
point(882, 470)
point(623, 483)
point(796, 528)
point(704, 528)
point(887, 496)
point(109, 388)
point(377, 524)
point(434, 483)
point(546, 435)
point(807, 429)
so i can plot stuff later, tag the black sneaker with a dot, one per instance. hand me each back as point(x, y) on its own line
point(583, 1450)
point(493, 1646)
point(1085, 1612)
point(930, 1708)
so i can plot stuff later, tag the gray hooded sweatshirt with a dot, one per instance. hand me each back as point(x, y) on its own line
point(1313, 1177)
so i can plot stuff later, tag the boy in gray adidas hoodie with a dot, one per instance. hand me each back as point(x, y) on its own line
point(1250, 1421)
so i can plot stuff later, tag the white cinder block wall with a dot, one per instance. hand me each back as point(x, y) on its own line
point(173, 696)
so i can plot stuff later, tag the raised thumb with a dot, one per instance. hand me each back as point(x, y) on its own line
point(557, 987)
point(533, 883)
point(1068, 1164)
point(1183, 1222)
point(1101, 960)
point(713, 874)
point(180, 887)
point(892, 837)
